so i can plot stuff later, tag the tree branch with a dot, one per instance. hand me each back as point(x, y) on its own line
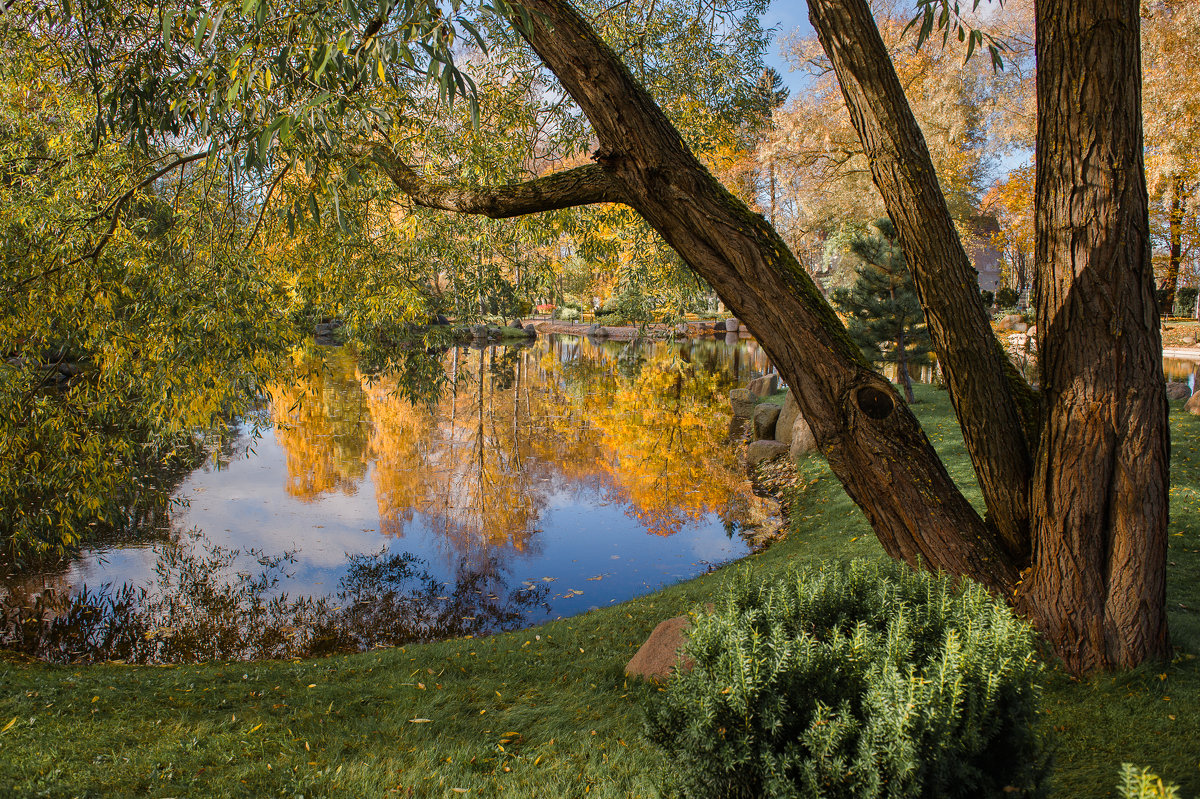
point(572, 187)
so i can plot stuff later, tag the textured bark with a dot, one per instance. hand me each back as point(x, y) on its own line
point(1097, 585)
point(871, 440)
point(995, 408)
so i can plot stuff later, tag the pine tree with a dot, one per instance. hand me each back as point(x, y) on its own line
point(885, 317)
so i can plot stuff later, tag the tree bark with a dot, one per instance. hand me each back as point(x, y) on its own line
point(1097, 587)
point(996, 409)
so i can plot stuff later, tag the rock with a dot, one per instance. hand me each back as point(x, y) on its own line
point(788, 415)
point(1178, 391)
point(479, 331)
point(732, 325)
point(731, 338)
point(440, 319)
point(1189, 341)
point(662, 651)
point(803, 441)
point(599, 331)
point(516, 324)
point(1020, 327)
point(1032, 331)
point(1193, 404)
point(743, 401)
point(765, 416)
point(759, 451)
point(765, 385)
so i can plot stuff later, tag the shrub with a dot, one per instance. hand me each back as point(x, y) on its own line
point(1007, 298)
point(1141, 784)
point(988, 297)
point(1185, 301)
point(862, 681)
point(568, 314)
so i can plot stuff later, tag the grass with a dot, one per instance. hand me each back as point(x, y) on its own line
point(541, 712)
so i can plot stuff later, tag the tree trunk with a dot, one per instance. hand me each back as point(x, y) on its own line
point(1097, 588)
point(982, 383)
point(1176, 241)
point(871, 440)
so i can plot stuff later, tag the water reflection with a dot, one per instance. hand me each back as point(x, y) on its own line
point(544, 480)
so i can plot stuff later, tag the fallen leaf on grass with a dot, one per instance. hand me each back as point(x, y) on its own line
point(419, 721)
point(8, 726)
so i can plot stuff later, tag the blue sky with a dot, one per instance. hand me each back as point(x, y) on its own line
point(786, 16)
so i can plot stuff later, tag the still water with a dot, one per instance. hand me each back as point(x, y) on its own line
point(572, 474)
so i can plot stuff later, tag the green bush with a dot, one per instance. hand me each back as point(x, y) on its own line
point(988, 297)
point(1185, 301)
point(568, 314)
point(1007, 298)
point(1141, 784)
point(865, 680)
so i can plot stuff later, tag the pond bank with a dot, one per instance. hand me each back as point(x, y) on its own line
point(630, 332)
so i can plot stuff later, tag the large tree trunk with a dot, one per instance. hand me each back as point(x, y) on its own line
point(1097, 588)
point(996, 409)
point(871, 440)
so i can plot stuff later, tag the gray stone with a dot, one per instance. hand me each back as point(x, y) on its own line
point(788, 415)
point(662, 651)
point(759, 451)
point(765, 416)
point(732, 325)
point(764, 386)
point(597, 330)
point(742, 400)
point(1020, 327)
point(516, 324)
point(479, 331)
point(803, 441)
point(1193, 404)
point(1178, 391)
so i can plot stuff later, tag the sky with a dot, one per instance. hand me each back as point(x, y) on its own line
point(785, 16)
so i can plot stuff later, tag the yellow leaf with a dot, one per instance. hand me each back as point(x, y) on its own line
point(9, 725)
point(419, 721)
point(255, 727)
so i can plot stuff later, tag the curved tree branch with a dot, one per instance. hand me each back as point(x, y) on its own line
point(582, 185)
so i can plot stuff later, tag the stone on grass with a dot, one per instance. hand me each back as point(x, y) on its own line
point(743, 401)
point(764, 386)
point(1193, 404)
point(662, 651)
point(759, 451)
point(803, 441)
point(765, 416)
point(1178, 391)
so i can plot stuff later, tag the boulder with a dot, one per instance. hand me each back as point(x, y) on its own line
point(803, 440)
point(479, 331)
point(516, 324)
point(1032, 331)
point(742, 400)
point(1178, 391)
point(1020, 327)
point(600, 331)
point(1189, 340)
point(732, 325)
point(765, 385)
point(788, 415)
point(759, 451)
point(1193, 404)
point(765, 416)
point(661, 652)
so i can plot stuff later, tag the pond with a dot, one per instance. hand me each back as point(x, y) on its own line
point(545, 480)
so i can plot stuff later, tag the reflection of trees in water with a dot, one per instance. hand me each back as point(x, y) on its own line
point(643, 425)
point(201, 609)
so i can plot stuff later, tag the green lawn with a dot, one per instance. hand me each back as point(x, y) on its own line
point(542, 712)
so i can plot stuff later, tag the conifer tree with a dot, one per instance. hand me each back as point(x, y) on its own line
point(885, 317)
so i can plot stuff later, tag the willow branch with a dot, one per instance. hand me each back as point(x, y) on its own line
point(582, 185)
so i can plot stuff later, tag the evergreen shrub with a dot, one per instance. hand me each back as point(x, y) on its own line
point(988, 297)
point(1185, 301)
point(1007, 298)
point(861, 680)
